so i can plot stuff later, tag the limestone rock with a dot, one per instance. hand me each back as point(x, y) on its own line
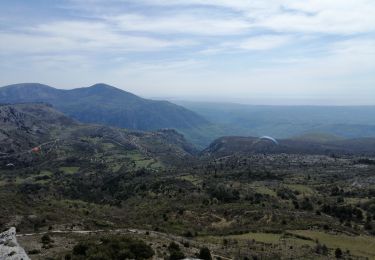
point(9, 247)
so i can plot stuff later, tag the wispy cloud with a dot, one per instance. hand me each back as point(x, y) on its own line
point(310, 16)
point(264, 42)
point(80, 36)
point(182, 24)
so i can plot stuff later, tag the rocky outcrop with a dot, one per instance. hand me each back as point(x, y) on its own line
point(9, 247)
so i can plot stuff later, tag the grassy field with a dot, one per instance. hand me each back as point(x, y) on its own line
point(142, 161)
point(358, 245)
point(69, 170)
point(268, 238)
point(191, 178)
point(46, 172)
point(362, 246)
point(261, 237)
point(303, 189)
point(265, 190)
point(355, 201)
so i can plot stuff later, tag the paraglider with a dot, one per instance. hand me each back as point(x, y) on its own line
point(270, 139)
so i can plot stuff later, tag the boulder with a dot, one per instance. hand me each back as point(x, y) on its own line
point(9, 247)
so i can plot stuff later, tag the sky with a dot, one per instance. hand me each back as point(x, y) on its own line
point(246, 51)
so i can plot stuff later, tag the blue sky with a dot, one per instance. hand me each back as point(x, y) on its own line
point(253, 51)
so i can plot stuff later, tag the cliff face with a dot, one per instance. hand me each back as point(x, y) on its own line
point(9, 247)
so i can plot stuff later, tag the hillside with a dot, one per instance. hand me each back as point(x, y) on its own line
point(104, 104)
point(26, 126)
point(231, 145)
point(97, 186)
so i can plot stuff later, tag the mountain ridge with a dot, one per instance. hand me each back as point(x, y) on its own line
point(105, 104)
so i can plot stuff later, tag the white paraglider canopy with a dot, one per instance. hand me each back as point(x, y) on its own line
point(265, 137)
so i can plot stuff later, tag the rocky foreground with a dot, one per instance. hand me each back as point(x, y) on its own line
point(9, 247)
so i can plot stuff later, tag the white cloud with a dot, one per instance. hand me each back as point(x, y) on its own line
point(80, 36)
point(363, 47)
point(182, 24)
point(309, 16)
point(254, 44)
point(265, 42)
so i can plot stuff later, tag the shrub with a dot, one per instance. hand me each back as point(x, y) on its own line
point(34, 252)
point(321, 249)
point(113, 248)
point(177, 255)
point(188, 234)
point(338, 253)
point(175, 252)
point(46, 239)
point(205, 254)
point(306, 204)
point(224, 193)
point(80, 249)
point(173, 247)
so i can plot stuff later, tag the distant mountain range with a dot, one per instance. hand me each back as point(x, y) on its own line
point(104, 104)
point(200, 123)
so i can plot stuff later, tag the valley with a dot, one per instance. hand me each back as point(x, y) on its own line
point(287, 122)
point(239, 200)
point(187, 130)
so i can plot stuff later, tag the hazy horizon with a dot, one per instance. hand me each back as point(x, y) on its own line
point(268, 100)
point(254, 52)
